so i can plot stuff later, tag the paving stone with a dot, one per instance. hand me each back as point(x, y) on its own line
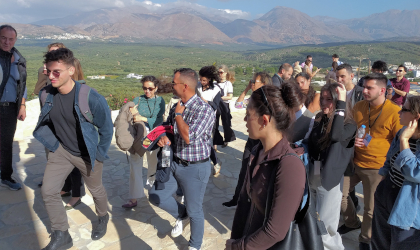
point(143, 227)
point(95, 245)
point(13, 197)
point(27, 211)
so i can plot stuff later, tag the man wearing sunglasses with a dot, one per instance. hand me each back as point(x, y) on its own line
point(401, 86)
point(193, 120)
point(12, 100)
point(73, 141)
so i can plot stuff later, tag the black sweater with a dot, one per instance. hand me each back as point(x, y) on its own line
point(336, 156)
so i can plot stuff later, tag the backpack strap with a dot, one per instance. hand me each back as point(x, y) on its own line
point(44, 95)
point(84, 102)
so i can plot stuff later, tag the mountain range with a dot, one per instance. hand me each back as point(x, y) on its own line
point(281, 25)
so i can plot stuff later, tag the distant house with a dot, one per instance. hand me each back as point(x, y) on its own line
point(416, 73)
point(136, 76)
point(96, 77)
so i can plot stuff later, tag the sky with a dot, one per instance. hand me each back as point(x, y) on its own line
point(27, 11)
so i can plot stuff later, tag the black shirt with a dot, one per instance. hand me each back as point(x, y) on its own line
point(66, 126)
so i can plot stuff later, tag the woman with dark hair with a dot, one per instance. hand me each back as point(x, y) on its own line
point(225, 84)
point(260, 79)
point(396, 220)
point(149, 109)
point(211, 94)
point(330, 145)
point(312, 98)
point(269, 114)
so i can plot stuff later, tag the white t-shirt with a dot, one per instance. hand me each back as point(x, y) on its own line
point(209, 94)
point(227, 88)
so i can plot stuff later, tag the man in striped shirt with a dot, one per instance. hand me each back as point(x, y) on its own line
point(193, 121)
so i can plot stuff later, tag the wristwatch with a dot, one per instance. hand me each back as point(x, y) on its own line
point(176, 114)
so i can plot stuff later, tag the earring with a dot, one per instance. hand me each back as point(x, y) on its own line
point(264, 126)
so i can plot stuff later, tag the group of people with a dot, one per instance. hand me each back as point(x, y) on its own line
point(344, 135)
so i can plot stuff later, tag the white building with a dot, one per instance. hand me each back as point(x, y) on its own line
point(96, 77)
point(136, 76)
point(416, 73)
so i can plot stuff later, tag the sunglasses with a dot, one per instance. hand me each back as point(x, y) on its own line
point(403, 109)
point(267, 104)
point(174, 83)
point(150, 89)
point(400, 70)
point(221, 72)
point(55, 73)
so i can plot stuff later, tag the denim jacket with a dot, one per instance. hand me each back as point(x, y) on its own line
point(97, 135)
point(405, 213)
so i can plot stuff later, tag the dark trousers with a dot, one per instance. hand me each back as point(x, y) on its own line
point(226, 123)
point(385, 236)
point(8, 122)
point(74, 183)
point(251, 143)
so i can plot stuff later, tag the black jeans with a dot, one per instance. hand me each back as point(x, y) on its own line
point(226, 123)
point(8, 122)
point(74, 183)
point(385, 236)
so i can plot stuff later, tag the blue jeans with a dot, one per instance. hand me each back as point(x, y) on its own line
point(193, 181)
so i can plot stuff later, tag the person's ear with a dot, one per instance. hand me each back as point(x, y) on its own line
point(71, 70)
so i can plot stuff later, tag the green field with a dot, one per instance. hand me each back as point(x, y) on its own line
point(119, 59)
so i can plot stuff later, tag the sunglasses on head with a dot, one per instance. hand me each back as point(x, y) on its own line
point(267, 103)
point(150, 88)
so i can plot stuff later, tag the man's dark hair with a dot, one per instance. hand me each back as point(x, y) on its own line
point(9, 27)
point(63, 54)
point(335, 56)
point(402, 66)
point(308, 56)
point(284, 66)
point(380, 65)
point(187, 74)
point(380, 78)
point(345, 66)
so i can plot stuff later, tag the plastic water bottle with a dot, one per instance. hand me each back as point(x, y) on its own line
point(361, 131)
point(166, 156)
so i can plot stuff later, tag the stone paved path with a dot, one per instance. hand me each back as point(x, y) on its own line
point(24, 222)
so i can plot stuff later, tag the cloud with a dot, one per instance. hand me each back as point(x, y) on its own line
point(119, 4)
point(236, 13)
point(24, 3)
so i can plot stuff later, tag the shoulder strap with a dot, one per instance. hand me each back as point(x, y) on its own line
point(44, 95)
point(84, 102)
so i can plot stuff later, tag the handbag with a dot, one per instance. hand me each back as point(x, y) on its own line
point(305, 230)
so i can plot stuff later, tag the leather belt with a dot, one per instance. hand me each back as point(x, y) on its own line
point(5, 104)
point(186, 163)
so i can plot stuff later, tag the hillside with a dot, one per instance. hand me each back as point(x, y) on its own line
point(280, 26)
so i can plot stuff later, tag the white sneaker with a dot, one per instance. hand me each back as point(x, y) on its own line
point(178, 228)
point(192, 248)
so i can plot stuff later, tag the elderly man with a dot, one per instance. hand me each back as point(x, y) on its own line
point(12, 100)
